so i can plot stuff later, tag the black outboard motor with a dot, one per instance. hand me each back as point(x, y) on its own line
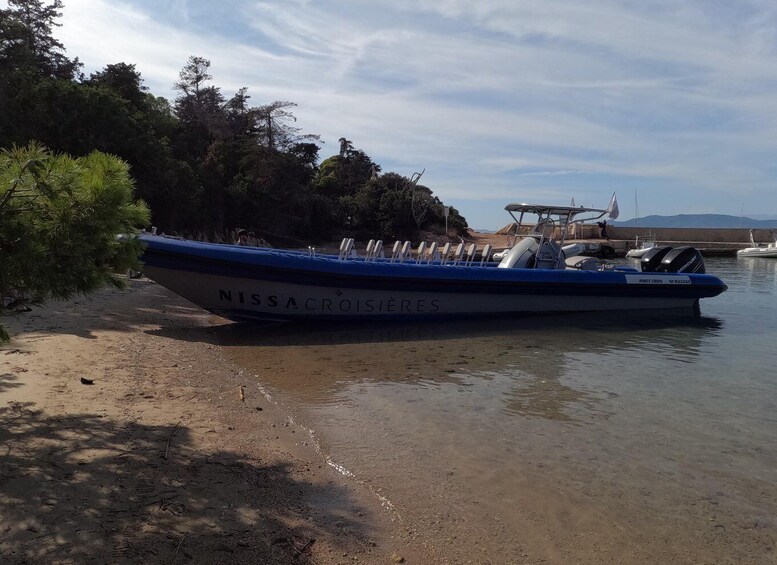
point(682, 260)
point(651, 260)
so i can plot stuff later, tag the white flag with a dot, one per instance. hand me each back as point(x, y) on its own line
point(612, 209)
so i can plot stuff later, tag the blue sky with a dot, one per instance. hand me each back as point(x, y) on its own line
point(500, 101)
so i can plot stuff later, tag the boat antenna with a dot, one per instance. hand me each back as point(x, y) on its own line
point(636, 207)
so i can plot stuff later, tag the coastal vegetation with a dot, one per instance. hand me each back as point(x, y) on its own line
point(59, 220)
point(79, 150)
point(205, 163)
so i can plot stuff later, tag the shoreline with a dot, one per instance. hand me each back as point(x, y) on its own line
point(126, 438)
point(158, 459)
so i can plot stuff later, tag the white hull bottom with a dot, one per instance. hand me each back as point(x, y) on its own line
point(769, 252)
point(235, 297)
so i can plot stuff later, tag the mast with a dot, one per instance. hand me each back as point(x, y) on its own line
point(636, 207)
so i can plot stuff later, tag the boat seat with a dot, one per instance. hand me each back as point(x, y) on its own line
point(421, 251)
point(583, 263)
point(432, 254)
point(404, 253)
point(471, 250)
point(444, 252)
point(395, 250)
point(377, 250)
point(374, 250)
point(343, 245)
point(486, 255)
point(458, 255)
point(346, 249)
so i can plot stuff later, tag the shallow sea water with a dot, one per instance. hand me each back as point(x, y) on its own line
point(623, 438)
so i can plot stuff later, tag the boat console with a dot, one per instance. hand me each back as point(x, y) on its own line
point(542, 248)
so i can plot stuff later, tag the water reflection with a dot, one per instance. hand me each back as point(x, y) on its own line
point(521, 362)
point(759, 273)
point(664, 424)
point(333, 333)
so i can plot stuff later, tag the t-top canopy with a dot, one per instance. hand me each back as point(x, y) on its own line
point(567, 212)
point(544, 210)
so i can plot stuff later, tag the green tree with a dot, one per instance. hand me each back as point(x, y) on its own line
point(27, 40)
point(346, 173)
point(205, 164)
point(381, 208)
point(114, 112)
point(200, 108)
point(387, 207)
point(60, 220)
point(125, 81)
point(275, 129)
point(29, 54)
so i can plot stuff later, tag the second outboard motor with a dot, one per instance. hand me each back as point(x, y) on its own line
point(651, 260)
point(682, 260)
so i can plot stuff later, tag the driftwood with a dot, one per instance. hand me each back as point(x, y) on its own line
point(167, 447)
point(179, 547)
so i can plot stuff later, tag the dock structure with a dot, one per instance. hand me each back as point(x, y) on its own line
point(712, 242)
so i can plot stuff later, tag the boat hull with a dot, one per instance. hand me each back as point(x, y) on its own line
point(240, 298)
point(767, 252)
point(241, 283)
point(638, 253)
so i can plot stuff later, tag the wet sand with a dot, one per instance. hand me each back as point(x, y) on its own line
point(124, 439)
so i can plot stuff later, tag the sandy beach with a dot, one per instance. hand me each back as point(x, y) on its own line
point(125, 441)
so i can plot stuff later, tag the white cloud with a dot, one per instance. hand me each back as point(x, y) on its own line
point(672, 98)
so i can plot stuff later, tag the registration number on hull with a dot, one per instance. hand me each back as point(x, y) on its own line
point(653, 279)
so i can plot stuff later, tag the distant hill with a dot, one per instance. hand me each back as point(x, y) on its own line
point(696, 221)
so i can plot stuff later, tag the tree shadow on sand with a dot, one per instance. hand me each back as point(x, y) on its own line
point(8, 381)
point(87, 489)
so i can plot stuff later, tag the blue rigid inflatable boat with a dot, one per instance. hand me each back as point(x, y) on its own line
point(533, 276)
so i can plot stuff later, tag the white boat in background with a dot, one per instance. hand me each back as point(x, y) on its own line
point(641, 247)
point(760, 250)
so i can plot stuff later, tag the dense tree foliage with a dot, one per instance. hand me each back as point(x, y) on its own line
point(59, 220)
point(205, 163)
